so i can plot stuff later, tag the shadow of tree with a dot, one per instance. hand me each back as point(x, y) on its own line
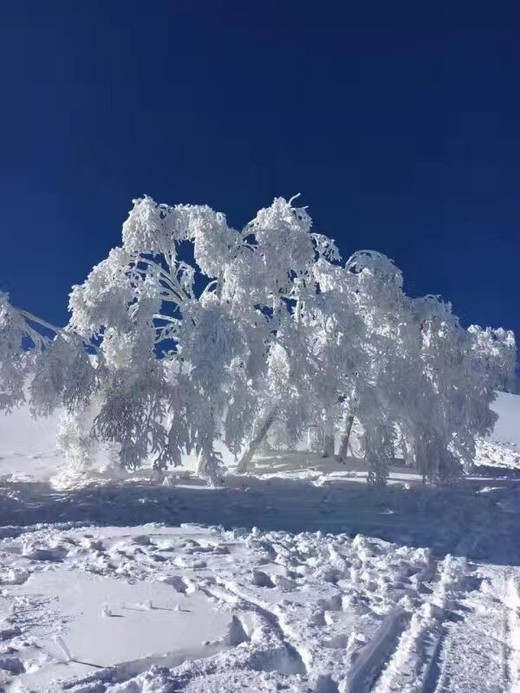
point(466, 519)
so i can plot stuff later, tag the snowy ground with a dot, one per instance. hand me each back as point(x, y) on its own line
point(298, 579)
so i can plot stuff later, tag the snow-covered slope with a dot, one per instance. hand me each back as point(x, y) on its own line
point(28, 445)
point(502, 448)
point(507, 428)
point(21, 433)
point(297, 579)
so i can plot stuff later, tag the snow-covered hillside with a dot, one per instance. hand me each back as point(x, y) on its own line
point(507, 428)
point(28, 445)
point(502, 448)
point(298, 578)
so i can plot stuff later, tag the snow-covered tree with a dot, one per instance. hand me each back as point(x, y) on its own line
point(188, 352)
point(40, 363)
point(382, 361)
point(461, 371)
point(192, 332)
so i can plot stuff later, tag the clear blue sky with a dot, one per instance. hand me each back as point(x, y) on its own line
point(398, 122)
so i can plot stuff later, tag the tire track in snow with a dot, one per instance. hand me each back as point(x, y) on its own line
point(479, 652)
point(414, 665)
point(505, 635)
point(372, 658)
point(511, 632)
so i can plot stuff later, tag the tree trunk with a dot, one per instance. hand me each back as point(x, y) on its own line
point(314, 438)
point(345, 439)
point(202, 463)
point(209, 468)
point(328, 436)
point(378, 471)
point(244, 464)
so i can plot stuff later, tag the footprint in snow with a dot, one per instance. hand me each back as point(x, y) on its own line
point(177, 582)
point(13, 665)
point(261, 579)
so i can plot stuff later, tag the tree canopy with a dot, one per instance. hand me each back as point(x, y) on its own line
point(192, 332)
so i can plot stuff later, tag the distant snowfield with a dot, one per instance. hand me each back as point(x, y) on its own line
point(299, 578)
point(507, 427)
point(502, 449)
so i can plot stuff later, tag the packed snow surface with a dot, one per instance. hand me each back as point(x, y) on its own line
point(299, 578)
